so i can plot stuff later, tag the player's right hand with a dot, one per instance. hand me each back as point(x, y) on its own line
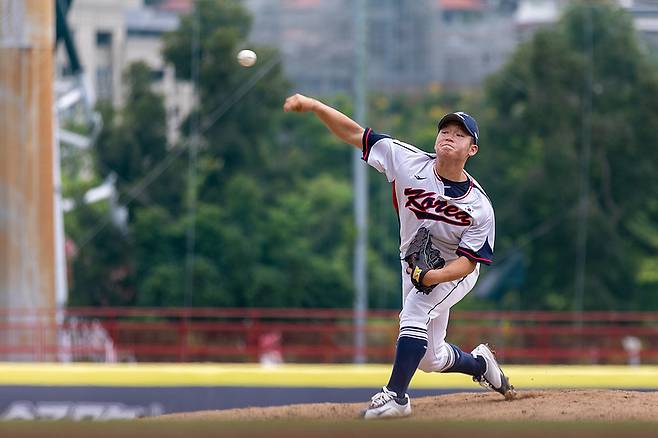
point(298, 103)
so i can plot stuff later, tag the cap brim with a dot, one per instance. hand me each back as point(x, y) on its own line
point(452, 117)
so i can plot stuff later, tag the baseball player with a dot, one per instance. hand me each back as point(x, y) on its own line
point(440, 207)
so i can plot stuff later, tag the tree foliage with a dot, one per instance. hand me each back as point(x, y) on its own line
point(131, 141)
point(534, 151)
point(268, 231)
point(272, 193)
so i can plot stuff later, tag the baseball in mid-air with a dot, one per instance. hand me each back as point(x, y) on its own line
point(247, 58)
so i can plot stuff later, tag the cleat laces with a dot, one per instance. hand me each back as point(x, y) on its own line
point(380, 399)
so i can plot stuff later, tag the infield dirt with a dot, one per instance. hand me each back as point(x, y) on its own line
point(541, 405)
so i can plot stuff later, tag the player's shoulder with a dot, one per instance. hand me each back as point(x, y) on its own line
point(412, 150)
point(480, 198)
point(372, 138)
point(412, 156)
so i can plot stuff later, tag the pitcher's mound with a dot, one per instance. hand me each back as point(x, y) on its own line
point(548, 405)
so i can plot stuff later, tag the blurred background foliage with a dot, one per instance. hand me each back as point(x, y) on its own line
point(273, 198)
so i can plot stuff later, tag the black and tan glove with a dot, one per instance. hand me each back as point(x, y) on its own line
point(422, 257)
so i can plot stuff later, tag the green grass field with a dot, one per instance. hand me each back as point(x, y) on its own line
point(391, 428)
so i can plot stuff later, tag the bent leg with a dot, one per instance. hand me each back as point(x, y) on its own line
point(439, 356)
point(442, 357)
point(423, 323)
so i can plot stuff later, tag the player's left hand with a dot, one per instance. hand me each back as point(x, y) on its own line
point(422, 257)
point(410, 270)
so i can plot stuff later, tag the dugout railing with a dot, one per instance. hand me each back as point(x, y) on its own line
point(313, 335)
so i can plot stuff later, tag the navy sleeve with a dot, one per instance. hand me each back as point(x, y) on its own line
point(369, 138)
point(483, 255)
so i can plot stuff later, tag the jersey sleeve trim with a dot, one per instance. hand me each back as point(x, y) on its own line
point(368, 140)
point(484, 255)
point(364, 144)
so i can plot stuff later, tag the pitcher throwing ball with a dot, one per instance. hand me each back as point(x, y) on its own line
point(446, 231)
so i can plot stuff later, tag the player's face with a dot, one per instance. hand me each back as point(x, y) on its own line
point(454, 142)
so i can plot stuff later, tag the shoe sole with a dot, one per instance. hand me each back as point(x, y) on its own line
point(510, 394)
point(382, 417)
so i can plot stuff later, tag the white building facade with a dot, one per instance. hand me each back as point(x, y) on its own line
point(109, 36)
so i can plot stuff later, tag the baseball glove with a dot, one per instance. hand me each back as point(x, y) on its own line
point(422, 257)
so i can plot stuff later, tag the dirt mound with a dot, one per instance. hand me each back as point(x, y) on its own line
point(546, 405)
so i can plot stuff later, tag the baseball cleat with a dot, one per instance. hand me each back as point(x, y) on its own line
point(493, 377)
point(386, 404)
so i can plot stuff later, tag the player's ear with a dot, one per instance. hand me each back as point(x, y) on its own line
point(473, 149)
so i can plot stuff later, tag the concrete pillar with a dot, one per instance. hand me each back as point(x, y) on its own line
point(27, 235)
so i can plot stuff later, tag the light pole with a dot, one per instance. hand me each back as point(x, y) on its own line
point(586, 135)
point(360, 190)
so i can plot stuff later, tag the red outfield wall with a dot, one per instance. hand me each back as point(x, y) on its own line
point(316, 335)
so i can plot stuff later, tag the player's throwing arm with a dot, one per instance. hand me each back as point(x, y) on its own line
point(338, 123)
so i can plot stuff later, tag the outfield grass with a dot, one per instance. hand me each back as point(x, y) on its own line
point(407, 428)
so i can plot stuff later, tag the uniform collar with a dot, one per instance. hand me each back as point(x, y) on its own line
point(468, 178)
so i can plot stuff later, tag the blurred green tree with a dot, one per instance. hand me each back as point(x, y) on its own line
point(532, 157)
point(131, 141)
point(134, 140)
point(273, 216)
point(101, 269)
point(238, 117)
point(271, 230)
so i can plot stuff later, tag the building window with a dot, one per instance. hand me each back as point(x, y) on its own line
point(157, 75)
point(103, 39)
point(104, 83)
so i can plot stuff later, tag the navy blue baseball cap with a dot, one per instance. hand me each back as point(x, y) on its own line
point(467, 121)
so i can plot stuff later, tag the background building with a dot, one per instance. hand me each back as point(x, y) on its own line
point(128, 32)
point(410, 45)
point(645, 15)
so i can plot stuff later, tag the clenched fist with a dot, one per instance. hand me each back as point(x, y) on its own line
point(298, 103)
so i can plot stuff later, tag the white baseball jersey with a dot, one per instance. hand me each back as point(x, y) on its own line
point(461, 221)
point(458, 215)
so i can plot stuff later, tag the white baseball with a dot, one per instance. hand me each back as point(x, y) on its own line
point(247, 58)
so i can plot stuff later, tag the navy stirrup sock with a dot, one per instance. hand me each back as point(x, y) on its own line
point(408, 355)
point(466, 363)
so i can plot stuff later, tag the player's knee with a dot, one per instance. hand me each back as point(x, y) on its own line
point(435, 361)
point(426, 365)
